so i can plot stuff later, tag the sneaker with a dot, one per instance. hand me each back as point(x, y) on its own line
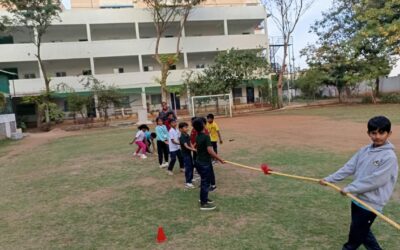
point(162, 166)
point(189, 185)
point(169, 172)
point(165, 164)
point(143, 156)
point(212, 188)
point(182, 170)
point(207, 207)
point(135, 154)
point(195, 179)
point(209, 201)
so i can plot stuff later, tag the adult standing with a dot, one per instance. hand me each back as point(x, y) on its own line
point(164, 111)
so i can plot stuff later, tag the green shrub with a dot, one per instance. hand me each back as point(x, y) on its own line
point(390, 98)
point(367, 99)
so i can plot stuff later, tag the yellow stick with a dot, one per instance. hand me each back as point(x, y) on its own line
point(351, 196)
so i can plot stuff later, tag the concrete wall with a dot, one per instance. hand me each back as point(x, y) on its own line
point(105, 65)
point(23, 68)
point(204, 28)
point(8, 125)
point(70, 67)
point(114, 31)
point(389, 84)
point(65, 33)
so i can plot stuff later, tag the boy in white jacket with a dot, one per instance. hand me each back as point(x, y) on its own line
point(375, 171)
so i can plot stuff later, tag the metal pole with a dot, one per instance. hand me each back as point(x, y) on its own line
point(193, 114)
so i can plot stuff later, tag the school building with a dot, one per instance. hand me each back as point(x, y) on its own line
point(115, 42)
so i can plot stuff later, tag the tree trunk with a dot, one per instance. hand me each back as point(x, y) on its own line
point(163, 82)
point(280, 79)
point(377, 89)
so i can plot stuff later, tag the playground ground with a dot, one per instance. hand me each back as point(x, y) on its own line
point(83, 190)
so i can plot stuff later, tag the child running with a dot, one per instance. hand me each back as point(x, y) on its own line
point(186, 149)
point(162, 143)
point(139, 138)
point(205, 152)
point(375, 171)
point(174, 148)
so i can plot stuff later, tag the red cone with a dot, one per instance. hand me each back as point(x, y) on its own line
point(161, 235)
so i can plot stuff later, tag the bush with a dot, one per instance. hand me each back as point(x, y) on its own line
point(390, 98)
point(367, 100)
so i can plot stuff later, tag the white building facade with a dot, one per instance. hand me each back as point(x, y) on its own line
point(117, 46)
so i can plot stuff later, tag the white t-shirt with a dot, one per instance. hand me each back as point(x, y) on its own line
point(173, 134)
point(140, 135)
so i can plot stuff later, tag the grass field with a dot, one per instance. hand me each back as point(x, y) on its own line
point(86, 192)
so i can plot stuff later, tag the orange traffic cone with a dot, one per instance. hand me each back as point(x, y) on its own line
point(161, 235)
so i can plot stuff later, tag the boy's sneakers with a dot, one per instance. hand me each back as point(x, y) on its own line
point(164, 165)
point(143, 156)
point(169, 172)
point(212, 188)
point(209, 201)
point(207, 207)
point(182, 170)
point(189, 185)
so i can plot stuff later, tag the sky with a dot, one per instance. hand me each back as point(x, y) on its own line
point(301, 35)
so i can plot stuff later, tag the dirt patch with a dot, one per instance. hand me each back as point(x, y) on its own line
point(302, 131)
point(147, 181)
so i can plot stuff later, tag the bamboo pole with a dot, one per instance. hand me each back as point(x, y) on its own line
point(333, 186)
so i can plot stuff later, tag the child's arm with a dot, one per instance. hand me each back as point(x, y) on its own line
point(375, 180)
point(214, 155)
point(220, 137)
point(347, 170)
point(189, 147)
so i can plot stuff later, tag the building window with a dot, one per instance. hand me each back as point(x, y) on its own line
point(61, 74)
point(118, 70)
point(29, 76)
point(172, 67)
point(148, 68)
point(155, 99)
point(200, 66)
point(237, 92)
point(86, 72)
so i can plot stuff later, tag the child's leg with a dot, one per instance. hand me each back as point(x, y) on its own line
point(173, 160)
point(166, 151)
point(361, 221)
point(204, 171)
point(180, 158)
point(142, 146)
point(160, 151)
point(138, 149)
point(212, 176)
point(215, 146)
point(187, 161)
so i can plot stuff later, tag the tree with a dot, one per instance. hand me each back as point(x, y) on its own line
point(286, 14)
point(105, 96)
point(381, 19)
point(310, 81)
point(230, 69)
point(164, 14)
point(78, 104)
point(36, 16)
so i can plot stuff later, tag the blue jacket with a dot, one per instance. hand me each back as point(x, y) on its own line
point(162, 133)
point(375, 171)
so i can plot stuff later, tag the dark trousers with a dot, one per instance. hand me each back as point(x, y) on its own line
point(212, 176)
point(188, 163)
point(360, 232)
point(163, 151)
point(205, 174)
point(215, 146)
point(174, 155)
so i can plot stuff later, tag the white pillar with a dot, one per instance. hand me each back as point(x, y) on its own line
point(137, 30)
point(92, 66)
point(140, 63)
point(96, 104)
point(144, 100)
point(183, 29)
point(89, 34)
point(226, 27)
point(185, 60)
